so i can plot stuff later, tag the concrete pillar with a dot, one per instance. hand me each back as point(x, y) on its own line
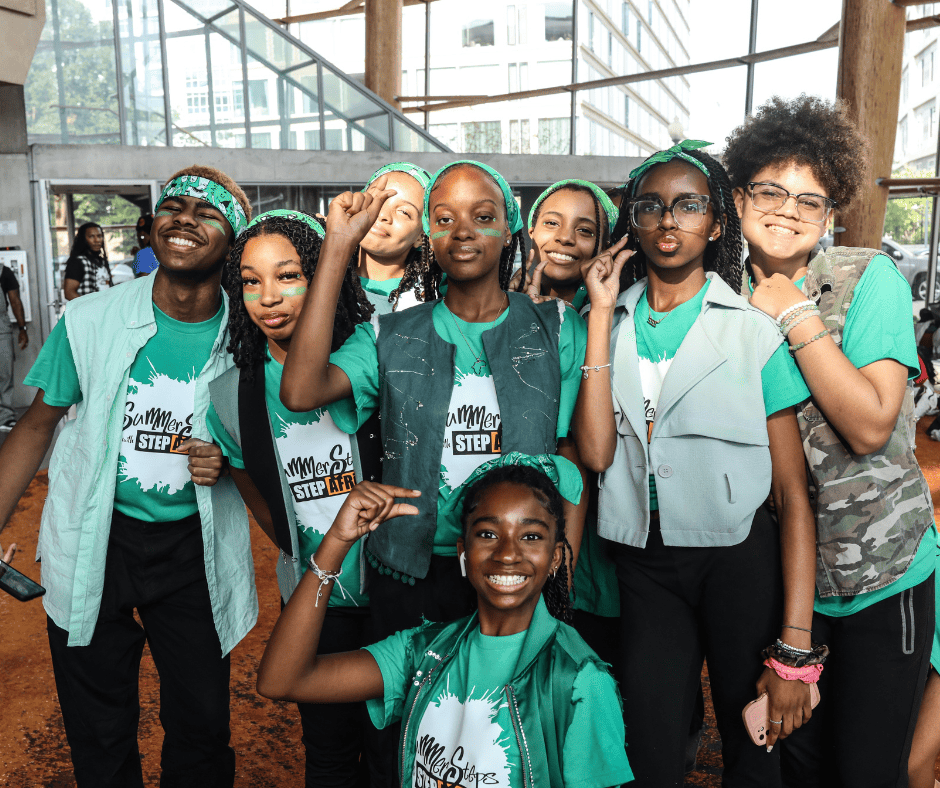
point(383, 49)
point(16, 208)
point(870, 52)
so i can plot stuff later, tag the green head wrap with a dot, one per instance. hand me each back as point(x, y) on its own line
point(677, 151)
point(606, 205)
point(296, 216)
point(208, 191)
point(513, 217)
point(422, 176)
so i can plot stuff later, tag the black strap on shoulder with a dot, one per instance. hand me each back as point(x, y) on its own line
point(369, 440)
point(258, 451)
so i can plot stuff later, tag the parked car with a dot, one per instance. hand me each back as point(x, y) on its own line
point(911, 260)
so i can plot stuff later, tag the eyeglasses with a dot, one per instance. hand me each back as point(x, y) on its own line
point(688, 212)
point(768, 197)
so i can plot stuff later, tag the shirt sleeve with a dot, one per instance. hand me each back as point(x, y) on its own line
point(54, 371)
point(781, 381)
point(880, 321)
point(8, 280)
point(74, 269)
point(390, 655)
point(597, 728)
point(572, 344)
point(359, 359)
point(223, 439)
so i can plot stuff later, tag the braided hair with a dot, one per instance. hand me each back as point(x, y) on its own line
point(420, 269)
point(247, 342)
point(507, 256)
point(80, 247)
point(722, 256)
point(555, 590)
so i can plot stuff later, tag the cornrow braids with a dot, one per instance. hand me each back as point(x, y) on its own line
point(431, 276)
point(507, 259)
point(555, 591)
point(247, 343)
point(723, 256)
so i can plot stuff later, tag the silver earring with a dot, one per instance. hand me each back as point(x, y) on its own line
point(710, 238)
point(463, 564)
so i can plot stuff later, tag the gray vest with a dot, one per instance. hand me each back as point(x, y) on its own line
point(416, 378)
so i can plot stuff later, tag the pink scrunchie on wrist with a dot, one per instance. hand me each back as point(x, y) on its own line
point(808, 674)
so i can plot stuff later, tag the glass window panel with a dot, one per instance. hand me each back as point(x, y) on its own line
point(227, 81)
point(143, 72)
point(341, 98)
point(555, 135)
point(375, 133)
point(482, 137)
point(406, 138)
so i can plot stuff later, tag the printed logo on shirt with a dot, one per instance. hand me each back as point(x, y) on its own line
point(461, 744)
point(473, 430)
point(321, 479)
point(652, 375)
point(158, 417)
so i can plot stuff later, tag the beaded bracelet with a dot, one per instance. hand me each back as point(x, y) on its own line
point(325, 578)
point(786, 656)
point(788, 320)
point(793, 322)
point(793, 308)
point(808, 674)
point(820, 335)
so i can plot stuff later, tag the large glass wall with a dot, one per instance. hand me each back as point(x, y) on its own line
point(198, 73)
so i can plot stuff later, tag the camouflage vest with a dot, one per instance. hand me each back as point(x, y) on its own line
point(871, 510)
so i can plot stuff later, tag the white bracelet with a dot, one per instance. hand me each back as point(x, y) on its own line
point(793, 308)
point(786, 329)
point(596, 367)
point(325, 578)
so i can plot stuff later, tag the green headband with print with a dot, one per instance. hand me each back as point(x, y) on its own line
point(608, 207)
point(422, 176)
point(295, 216)
point(513, 217)
point(677, 151)
point(208, 191)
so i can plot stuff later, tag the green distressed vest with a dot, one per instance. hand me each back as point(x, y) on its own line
point(416, 378)
point(538, 696)
point(871, 510)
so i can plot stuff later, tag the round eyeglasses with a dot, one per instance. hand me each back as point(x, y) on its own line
point(688, 212)
point(769, 197)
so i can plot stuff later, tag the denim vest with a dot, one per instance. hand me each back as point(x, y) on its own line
point(538, 696)
point(106, 331)
point(709, 448)
point(416, 378)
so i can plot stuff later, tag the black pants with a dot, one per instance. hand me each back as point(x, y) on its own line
point(871, 688)
point(444, 595)
point(682, 604)
point(340, 742)
point(158, 569)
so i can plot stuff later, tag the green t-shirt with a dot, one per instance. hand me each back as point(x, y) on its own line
point(781, 382)
point(474, 427)
point(378, 291)
point(317, 461)
point(879, 326)
point(466, 736)
point(153, 479)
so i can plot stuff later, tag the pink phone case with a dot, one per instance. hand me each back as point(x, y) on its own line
point(757, 721)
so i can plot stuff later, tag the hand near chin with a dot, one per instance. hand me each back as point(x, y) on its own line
point(352, 214)
point(367, 506)
point(601, 275)
point(776, 294)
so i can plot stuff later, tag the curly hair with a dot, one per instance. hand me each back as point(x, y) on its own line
point(247, 342)
point(219, 177)
point(806, 130)
point(507, 256)
point(555, 590)
point(722, 256)
point(420, 269)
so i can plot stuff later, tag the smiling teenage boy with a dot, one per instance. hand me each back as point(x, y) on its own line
point(124, 525)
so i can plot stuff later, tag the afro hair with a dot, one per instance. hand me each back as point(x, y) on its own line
point(808, 131)
point(219, 177)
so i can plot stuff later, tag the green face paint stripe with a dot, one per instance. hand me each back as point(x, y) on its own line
point(440, 234)
point(251, 296)
point(163, 213)
point(215, 224)
point(491, 232)
point(293, 291)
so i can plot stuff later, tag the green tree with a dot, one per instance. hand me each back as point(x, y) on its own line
point(907, 220)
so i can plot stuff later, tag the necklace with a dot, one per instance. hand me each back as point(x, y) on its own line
point(649, 316)
point(476, 370)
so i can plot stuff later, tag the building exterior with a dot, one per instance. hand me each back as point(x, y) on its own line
point(915, 146)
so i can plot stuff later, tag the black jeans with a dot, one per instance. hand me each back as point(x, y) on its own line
point(340, 741)
point(870, 690)
point(444, 595)
point(680, 605)
point(158, 569)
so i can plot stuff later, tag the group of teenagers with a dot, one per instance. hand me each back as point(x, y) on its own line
point(516, 507)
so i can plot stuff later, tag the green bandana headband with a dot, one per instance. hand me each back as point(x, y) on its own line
point(675, 152)
point(513, 217)
point(295, 216)
point(208, 191)
point(606, 205)
point(422, 176)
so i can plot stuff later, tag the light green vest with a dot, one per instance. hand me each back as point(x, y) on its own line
point(106, 331)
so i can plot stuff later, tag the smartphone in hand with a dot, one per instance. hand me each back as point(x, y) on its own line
point(757, 719)
point(18, 585)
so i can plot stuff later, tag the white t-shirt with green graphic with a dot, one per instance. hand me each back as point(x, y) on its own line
point(316, 458)
point(474, 427)
point(781, 382)
point(153, 479)
point(378, 291)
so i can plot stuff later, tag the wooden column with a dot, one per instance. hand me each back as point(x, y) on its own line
point(871, 49)
point(383, 49)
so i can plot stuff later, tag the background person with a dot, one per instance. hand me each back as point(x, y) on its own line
point(87, 270)
point(10, 288)
point(144, 259)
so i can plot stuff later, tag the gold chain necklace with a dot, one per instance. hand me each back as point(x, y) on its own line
point(474, 369)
